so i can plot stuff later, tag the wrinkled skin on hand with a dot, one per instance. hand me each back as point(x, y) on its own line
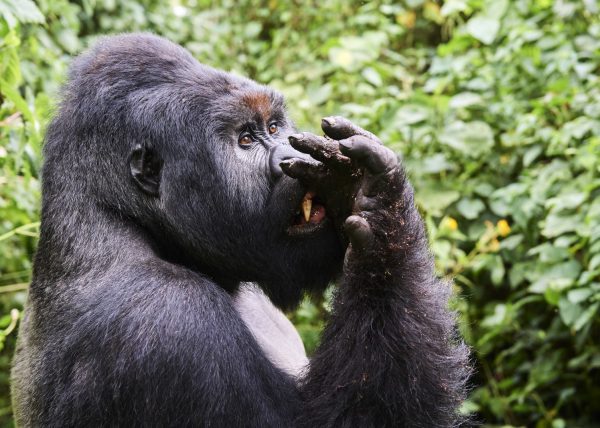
point(387, 295)
point(355, 175)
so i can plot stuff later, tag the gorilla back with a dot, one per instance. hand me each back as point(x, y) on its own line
point(163, 190)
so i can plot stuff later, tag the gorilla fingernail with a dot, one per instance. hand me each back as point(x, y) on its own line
point(347, 144)
point(328, 121)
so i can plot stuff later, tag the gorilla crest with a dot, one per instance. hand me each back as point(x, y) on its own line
point(168, 187)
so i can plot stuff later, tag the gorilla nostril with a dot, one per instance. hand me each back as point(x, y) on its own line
point(288, 157)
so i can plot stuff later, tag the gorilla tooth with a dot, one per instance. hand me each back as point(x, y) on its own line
point(306, 207)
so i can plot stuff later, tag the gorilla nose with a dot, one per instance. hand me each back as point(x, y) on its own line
point(283, 152)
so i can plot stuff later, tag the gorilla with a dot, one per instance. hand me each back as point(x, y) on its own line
point(180, 209)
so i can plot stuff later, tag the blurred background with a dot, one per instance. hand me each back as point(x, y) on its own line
point(494, 105)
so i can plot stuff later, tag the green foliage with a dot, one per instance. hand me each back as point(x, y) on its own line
point(494, 105)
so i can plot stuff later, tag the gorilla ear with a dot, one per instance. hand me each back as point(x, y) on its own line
point(145, 166)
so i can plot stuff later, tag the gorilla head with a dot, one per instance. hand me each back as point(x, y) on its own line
point(190, 155)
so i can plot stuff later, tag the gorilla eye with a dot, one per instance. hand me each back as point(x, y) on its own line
point(245, 140)
point(273, 128)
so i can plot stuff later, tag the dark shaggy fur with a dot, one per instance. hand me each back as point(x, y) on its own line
point(152, 215)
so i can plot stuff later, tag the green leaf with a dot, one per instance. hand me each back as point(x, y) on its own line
point(569, 312)
point(558, 276)
point(556, 225)
point(483, 28)
point(496, 8)
point(549, 253)
point(453, 7)
point(552, 296)
point(319, 94)
point(566, 201)
point(372, 76)
point(414, 3)
point(497, 271)
point(411, 114)
point(579, 295)
point(497, 318)
point(586, 317)
point(343, 58)
point(473, 139)
point(470, 208)
point(435, 201)
point(594, 262)
point(24, 11)
point(68, 40)
point(435, 164)
point(511, 242)
point(531, 154)
point(465, 99)
point(13, 95)
point(11, 67)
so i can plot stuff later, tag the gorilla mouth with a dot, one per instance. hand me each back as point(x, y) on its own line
point(309, 216)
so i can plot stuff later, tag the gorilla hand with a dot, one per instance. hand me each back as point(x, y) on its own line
point(335, 178)
point(359, 179)
point(388, 284)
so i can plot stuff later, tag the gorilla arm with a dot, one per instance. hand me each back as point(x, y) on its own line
point(389, 355)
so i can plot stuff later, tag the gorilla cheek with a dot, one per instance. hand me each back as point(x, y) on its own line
point(246, 182)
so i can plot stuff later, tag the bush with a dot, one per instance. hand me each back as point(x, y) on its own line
point(494, 105)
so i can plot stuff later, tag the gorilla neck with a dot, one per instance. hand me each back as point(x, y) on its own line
point(93, 238)
point(78, 238)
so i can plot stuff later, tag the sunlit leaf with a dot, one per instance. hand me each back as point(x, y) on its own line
point(483, 28)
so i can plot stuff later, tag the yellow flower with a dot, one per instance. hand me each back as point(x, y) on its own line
point(407, 19)
point(503, 227)
point(452, 224)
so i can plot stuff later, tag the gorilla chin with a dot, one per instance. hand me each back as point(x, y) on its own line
point(306, 253)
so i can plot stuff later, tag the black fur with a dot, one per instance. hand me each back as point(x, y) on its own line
point(153, 213)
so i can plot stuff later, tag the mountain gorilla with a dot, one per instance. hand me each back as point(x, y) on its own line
point(168, 184)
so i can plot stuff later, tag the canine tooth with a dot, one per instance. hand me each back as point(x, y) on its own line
point(306, 207)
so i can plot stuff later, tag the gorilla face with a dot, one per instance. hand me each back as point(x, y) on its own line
point(210, 170)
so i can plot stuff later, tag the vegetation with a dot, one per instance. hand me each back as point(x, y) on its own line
point(494, 105)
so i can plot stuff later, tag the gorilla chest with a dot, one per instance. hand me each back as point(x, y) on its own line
point(271, 329)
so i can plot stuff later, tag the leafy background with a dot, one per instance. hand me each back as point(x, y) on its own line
point(494, 105)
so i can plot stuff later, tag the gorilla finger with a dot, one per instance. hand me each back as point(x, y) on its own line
point(359, 232)
point(302, 170)
point(340, 128)
point(375, 157)
point(320, 148)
